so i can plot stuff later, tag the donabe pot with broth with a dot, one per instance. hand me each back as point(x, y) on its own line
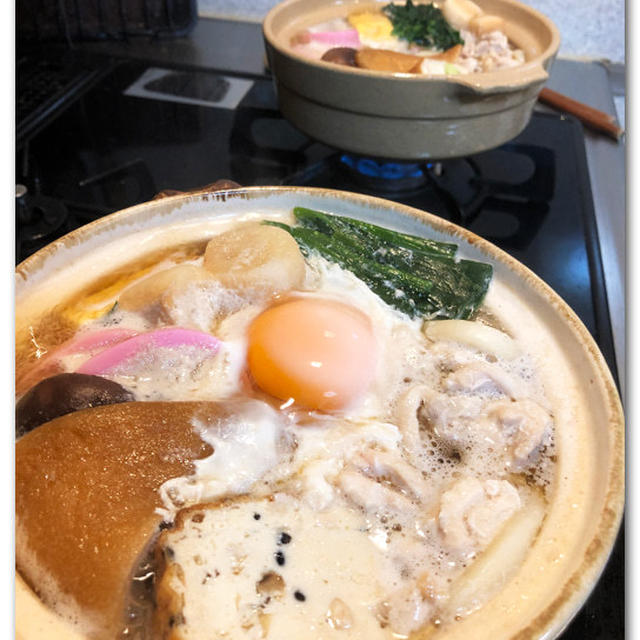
point(383, 91)
point(278, 412)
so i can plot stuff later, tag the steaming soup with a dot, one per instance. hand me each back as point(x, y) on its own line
point(302, 430)
point(445, 38)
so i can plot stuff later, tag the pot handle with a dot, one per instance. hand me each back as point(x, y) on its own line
point(218, 185)
point(485, 83)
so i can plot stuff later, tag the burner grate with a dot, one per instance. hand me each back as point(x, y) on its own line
point(46, 86)
point(72, 21)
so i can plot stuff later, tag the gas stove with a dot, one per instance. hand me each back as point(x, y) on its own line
point(140, 127)
point(179, 130)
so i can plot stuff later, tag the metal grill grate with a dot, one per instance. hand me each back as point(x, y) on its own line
point(47, 85)
point(81, 20)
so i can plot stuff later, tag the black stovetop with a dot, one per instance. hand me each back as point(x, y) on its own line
point(531, 197)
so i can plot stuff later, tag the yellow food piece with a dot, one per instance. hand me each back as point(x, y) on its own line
point(386, 60)
point(255, 258)
point(99, 303)
point(371, 25)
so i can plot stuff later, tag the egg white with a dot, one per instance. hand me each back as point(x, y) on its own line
point(399, 341)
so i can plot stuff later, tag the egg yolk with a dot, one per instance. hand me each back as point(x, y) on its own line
point(320, 353)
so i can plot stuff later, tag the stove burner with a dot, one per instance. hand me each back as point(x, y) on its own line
point(40, 219)
point(505, 211)
point(43, 214)
point(384, 175)
point(507, 208)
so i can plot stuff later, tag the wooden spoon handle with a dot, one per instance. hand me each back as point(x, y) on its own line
point(592, 118)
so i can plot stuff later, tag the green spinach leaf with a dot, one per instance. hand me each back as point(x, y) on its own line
point(422, 24)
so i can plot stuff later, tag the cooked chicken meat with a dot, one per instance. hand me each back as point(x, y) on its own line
point(373, 496)
point(393, 469)
point(525, 424)
point(472, 511)
point(409, 608)
point(482, 377)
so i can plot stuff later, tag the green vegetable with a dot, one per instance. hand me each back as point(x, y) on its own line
point(402, 291)
point(415, 275)
point(451, 69)
point(422, 24)
point(370, 234)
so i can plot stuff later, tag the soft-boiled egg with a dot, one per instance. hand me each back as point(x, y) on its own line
point(317, 352)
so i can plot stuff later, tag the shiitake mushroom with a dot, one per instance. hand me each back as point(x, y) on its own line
point(341, 55)
point(65, 393)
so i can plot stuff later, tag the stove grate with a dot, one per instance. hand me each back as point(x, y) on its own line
point(74, 21)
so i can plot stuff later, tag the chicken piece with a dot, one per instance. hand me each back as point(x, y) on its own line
point(472, 512)
point(458, 419)
point(439, 410)
point(384, 465)
point(525, 424)
point(448, 356)
point(373, 496)
point(409, 608)
point(482, 377)
point(489, 573)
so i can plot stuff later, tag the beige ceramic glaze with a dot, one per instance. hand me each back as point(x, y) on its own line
point(407, 116)
point(579, 530)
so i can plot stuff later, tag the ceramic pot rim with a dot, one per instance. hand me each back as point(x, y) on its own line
point(504, 80)
point(575, 591)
